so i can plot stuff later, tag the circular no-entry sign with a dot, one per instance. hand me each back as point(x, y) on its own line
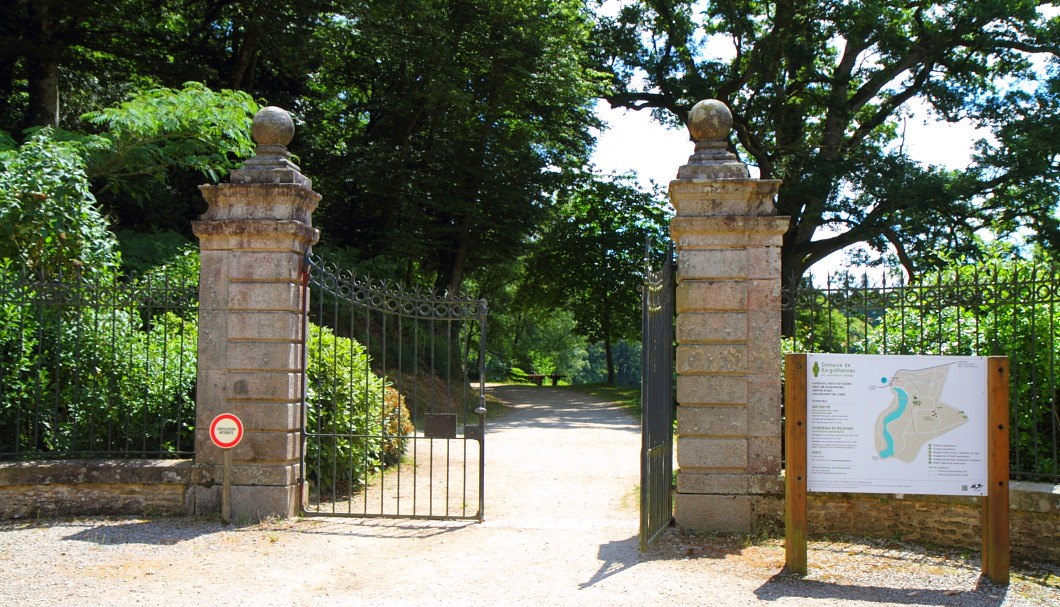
point(226, 430)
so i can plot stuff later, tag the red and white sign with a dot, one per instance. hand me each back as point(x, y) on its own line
point(226, 430)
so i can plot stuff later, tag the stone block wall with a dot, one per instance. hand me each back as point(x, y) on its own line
point(728, 333)
point(253, 241)
point(94, 487)
point(165, 487)
point(933, 520)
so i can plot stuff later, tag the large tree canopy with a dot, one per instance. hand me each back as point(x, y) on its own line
point(438, 128)
point(591, 259)
point(819, 90)
point(62, 58)
point(435, 129)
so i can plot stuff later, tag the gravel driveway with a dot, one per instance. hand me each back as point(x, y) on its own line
point(561, 529)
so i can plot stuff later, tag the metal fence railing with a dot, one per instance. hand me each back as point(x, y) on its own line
point(395, 399)
point(95, 366)
point(657, 399)
point(1010, 309)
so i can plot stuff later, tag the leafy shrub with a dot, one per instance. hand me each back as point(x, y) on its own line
point(91, 366)
point(397, 427)
point(49, 222)
point(154, 252)
point(358, 424)
point(22, 378)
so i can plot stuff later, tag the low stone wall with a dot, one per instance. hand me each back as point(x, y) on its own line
point(87, 487)
point(1034, 519)
point(954, 522)
point(163, 487)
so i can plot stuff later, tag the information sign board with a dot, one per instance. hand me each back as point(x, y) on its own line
point(896, 424)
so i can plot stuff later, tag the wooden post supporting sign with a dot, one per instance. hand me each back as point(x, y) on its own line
point(994, 503)
point(226, 430)
point(996, 555)
point(795, 469)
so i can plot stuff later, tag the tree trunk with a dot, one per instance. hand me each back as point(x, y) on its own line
point(610, 362)
point(43, 93)
point(791, 272)
point(456, 272)
point(451, 261)
point(42, 68)
point(241, 75)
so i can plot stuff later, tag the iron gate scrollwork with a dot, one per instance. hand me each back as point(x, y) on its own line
point(394, 405)
point(657, 399)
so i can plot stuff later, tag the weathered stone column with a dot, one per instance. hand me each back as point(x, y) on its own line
point(728, 334)
point(253, 241)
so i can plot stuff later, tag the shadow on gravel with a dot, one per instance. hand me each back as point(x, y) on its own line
point(785, 585)
point(143, 532)
point(173, 531)
point(615, 557)
point(379, 528)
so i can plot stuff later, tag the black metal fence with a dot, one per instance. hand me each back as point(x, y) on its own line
point(1008, 309)
point(395, 405)
point(95, 366)
point(658, 403)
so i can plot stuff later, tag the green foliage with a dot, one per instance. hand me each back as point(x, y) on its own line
point(536, 340)
point(49, 218)
point(573, 305)
point(461, 117)
point(624, 361)
point(592, 256)
point(21, 375)
point(91, 368)
point(820, 92)
point(365, 420)
point(49, 223)
point(1006, 306)
point(143, 252)
point(160, 130)
point(823, 323)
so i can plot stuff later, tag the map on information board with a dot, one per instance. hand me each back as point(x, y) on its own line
point(916, 414)
point(896, 424)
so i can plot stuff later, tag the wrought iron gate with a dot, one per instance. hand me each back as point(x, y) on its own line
point(394, 406)
point(657, 400)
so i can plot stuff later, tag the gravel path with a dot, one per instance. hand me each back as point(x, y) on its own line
point(560, 529)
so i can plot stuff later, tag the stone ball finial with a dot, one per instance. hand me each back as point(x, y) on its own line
point(709, 119)
point(273, 126)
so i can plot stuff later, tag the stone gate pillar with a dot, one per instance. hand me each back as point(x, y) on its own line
point(728, 334)
point(253, 241)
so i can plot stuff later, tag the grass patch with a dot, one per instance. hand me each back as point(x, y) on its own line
point(627, 396)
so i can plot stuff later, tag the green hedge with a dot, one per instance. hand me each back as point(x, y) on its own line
point(96, 367)
point(363, 420)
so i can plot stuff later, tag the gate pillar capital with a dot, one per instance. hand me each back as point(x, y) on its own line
point(253, 240)
point(728, 238)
